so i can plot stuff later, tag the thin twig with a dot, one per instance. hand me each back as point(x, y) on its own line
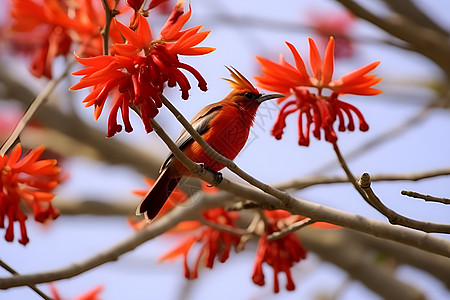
point(425, 197)
point(303, 183)
point(349, 174)
point(196, 169)
point(395, 218)
point(224, 228)
point(424, 40)
point(109, 15)
point(31, 286)
point(290, 229)
point(41, 98)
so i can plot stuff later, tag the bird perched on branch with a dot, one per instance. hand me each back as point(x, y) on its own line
point(224, 125)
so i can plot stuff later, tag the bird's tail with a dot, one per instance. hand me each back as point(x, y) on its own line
point(158, 195)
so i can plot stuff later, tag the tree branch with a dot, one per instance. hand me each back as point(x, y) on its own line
point(33, 287)
point(426, 197)
point(109, 15)
point(426, 41)
point(395, 218)
point(339, 249)
point(318, 212)
point(299, 184)
point(41, 98)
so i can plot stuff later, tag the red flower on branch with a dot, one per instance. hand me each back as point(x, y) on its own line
point(139, 69)
point(317, 109)
point(215, 243)
point(31, 180)
point(280, 254)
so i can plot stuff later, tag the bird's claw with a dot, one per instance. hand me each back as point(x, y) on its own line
point(218, 177)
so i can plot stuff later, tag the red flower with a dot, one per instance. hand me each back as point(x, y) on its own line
point(30, 180)
point(321, 110)
point(91, 294)
point(215, 242)
point(337, 23)
point(280, 254)
point(138, 70)
point(49, 21)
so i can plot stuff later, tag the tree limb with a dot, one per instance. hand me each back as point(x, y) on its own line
point(395, 218)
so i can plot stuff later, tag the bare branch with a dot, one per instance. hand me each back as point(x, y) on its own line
point(31, 286)
point(290, 229)
point(299, 184)
point(395, 218)
point(399, 234)
point(409, 9)
point(41, 98)
point(224, 228)
point(109, 15)
point(340, 249)
point(426, 197)
point(350, 176)
point(424, 40)
point(436, 265)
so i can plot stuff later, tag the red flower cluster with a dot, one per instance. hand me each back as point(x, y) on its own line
point(140, 67)
point(280, 254)
point(319, 109)
point(58, 24)
point(28, 179)
point(215, 242)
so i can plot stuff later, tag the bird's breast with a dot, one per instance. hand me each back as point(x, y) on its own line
point(227, 133)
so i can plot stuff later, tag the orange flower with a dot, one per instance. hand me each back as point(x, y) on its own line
point(31, 180)
point(321, 110)
point(139, 68)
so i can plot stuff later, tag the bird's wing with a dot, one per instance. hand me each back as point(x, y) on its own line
point(200, 123)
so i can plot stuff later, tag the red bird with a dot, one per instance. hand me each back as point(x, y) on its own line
point(224, 125)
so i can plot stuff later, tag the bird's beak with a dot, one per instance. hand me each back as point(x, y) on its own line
point(263, 98)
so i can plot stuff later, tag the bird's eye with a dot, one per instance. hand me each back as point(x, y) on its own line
point(250, 96)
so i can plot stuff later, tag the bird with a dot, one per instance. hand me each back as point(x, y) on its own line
point(224, 125)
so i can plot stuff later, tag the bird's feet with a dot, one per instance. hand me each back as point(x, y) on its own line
point(218, 177)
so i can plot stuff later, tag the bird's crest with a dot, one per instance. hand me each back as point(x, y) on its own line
point(238, 81)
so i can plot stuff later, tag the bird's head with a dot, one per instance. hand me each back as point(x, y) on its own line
point(244, 93)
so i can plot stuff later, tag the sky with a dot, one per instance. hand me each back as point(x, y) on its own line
point(72, 239)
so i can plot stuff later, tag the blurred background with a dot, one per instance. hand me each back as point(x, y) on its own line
point(409, 126)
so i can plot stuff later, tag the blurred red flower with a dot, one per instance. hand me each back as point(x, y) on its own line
point(214, 242)
point(91, 294)
point(337, 23)
point(31, 180)
point(319, 109)
point(138, 69)
point(45, 28)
